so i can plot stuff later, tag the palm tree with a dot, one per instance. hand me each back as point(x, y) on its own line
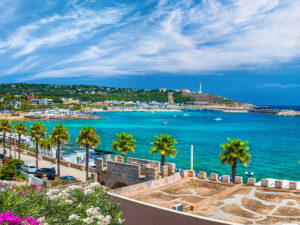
point(89, 138)
point(37, 132)
point(20, 129)
point(5, 126)
point(46, 144)
point(233, 151)
point(59, 135)
point(123, 143)
point(164, 145)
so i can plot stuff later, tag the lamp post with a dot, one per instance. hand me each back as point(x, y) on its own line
point(249, 174)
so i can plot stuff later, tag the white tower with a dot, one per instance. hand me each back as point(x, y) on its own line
point(200, 90)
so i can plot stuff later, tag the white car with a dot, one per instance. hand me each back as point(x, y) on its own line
point(31, 169)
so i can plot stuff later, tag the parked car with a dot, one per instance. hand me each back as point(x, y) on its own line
point(31, 169)
point(45, 173)
point(5, 159)
point(69, 178)
point(2, 156)
point(24, 168)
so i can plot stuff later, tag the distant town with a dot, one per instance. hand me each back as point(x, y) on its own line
point(22, 101)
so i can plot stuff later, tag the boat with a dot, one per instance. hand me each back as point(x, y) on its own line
point(165, 123)
point(218, 119)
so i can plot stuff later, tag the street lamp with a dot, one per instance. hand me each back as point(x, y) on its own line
point(249, 174)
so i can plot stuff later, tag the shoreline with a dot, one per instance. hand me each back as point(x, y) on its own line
point(224, 109)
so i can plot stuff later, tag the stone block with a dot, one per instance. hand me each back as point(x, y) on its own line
point(165, 171)
point(292, 185)
point(238, 180)
point(251, 181)
point(171, 168)
point(278, 184)
point(226, 178)
point(202, 175)
point(214, 176)
point(265, 183)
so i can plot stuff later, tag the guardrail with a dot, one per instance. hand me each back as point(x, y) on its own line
point(32, 179)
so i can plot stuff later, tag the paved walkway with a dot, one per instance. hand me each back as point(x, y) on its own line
point(64, 171)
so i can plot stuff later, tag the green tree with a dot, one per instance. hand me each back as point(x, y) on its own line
point(59, 135)
point(5, 126)
point(20, 129)
point(89, 138)
point(37, 132)
point(233, 151)
point(165, 146)
point(123, 143)
point(46, 144)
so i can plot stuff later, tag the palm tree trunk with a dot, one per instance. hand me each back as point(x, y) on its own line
point(3, 142)
point(58, 158)
point(15, 151)
point(163, 158)
point(234, 170)
point(19, 145)
point(36, 153)
point(87, 162)
point(10, 144)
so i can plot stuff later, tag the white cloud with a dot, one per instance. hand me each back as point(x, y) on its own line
point(175, 37)
point(278, 85)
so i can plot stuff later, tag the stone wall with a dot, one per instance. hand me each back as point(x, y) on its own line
point(76, 166)
point(64, 163)
point(49, 159)
point(113, 172)
point(145, 186)
point(152, 163)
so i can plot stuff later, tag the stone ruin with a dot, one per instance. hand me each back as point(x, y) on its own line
point(115, 173)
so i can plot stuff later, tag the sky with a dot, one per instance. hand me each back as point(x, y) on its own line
point(248, 50)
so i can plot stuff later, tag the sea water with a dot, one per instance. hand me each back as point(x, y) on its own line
point(274, 141)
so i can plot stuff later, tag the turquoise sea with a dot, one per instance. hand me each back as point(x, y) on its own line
point(274, 141)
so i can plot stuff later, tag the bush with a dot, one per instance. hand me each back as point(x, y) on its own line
point(63, 182)
point(73, 206)
point(8, 171)
point(21, 176)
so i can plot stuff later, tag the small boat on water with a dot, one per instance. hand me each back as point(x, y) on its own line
point(218, 119)
point(165, 123)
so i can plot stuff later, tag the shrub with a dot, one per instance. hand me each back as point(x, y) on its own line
point(21, 176)
point(8, 171)
point(63, 182)
point(73, 206)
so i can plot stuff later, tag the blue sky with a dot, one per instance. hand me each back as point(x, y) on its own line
point(242, 49)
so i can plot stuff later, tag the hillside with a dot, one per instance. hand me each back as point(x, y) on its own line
point(93, 93)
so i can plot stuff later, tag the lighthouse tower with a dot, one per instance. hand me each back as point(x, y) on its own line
point(200, 90)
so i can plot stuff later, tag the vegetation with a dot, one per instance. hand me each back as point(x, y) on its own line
point(63, 182)
point(59, 135)
point(74, 206)
point(20, 129)
point(233, 151)
point(46, 144)
point(218, 100)
point(88, 138)
point(124, 143)
point(5, 126)
point(8, 170)
point(165, 146)
point(37, 132)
